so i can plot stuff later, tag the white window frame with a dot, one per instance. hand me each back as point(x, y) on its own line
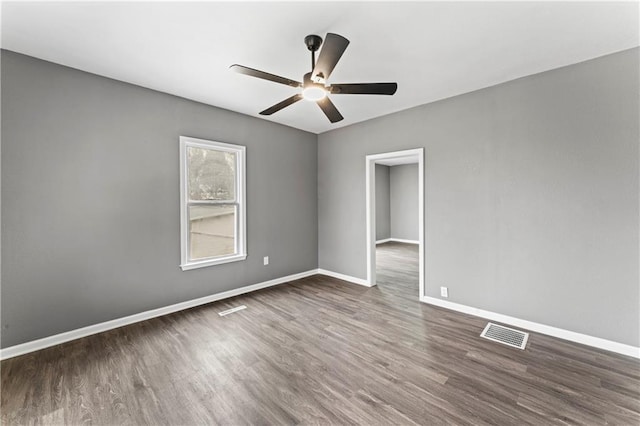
point(241, 218)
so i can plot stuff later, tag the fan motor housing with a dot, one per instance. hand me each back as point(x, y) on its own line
point(308, 82)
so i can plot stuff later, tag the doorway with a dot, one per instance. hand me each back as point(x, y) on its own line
point(388, 251)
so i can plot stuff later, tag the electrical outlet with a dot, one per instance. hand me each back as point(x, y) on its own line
point(266, 260)
point(444, 292)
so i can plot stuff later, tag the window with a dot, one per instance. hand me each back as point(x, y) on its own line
point(212, 198)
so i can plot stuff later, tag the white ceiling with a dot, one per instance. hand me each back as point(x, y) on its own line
point(433, 50)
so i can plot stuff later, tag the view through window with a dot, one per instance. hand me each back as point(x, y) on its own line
point(213, 204)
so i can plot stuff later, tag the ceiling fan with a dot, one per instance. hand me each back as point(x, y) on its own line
point(314, 84)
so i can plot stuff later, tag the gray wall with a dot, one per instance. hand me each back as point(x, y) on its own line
point(531, 196)
point(403, 181)
point(383, 204)
point(90, 202)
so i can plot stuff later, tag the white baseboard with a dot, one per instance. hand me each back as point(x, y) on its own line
point(56, 339)
point(560, 333)
point(397, 240)
point(344, 277)
point(400, 240)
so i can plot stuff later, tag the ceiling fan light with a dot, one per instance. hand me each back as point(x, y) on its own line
point(314, 93)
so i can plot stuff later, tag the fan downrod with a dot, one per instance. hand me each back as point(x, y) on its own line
point(313, 43)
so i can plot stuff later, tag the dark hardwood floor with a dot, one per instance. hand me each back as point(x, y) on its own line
point(397, 270)
point(320, 351)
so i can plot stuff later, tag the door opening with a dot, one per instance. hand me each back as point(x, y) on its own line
point(411, 234)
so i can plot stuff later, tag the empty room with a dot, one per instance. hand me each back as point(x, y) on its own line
point(372, 213)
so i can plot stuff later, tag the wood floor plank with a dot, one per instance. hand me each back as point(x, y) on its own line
point(320, 351)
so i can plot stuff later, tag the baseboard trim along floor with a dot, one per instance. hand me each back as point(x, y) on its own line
point(344, 277)
point(397, 240)
point(560, 333)
point(56, 339)
point(67, 336)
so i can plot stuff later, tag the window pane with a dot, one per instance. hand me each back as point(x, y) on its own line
point(211, 231)
point(212, 174)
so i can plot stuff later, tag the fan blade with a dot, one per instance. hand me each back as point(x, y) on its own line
point(333, 47)
point(264, 75)
point(277, 107)
point(364, 89)
point(329, 110)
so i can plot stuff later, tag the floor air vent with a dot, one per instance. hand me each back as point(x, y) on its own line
point(505, 335)
point(232, 310)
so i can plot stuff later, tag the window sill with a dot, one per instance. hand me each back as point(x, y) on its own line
point(212, 262)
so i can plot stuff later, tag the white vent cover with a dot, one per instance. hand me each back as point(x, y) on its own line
point(505, 335)
point(232, 310)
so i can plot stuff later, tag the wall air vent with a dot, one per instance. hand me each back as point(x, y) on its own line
point(505, 335)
